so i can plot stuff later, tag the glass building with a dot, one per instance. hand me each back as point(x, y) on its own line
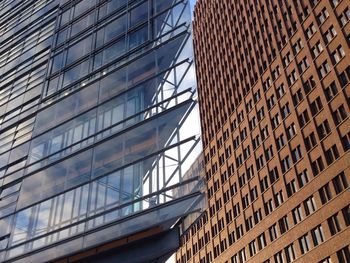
point(98, 126)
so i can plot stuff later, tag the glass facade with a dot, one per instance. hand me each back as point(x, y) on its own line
point(98, 122)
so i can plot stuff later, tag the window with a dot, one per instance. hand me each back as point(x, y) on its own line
point(283, 224)
point(273, 174)
point(303, 65)
point(317, 235)
point(292, 78)
point(290, 254)
point(264, 133)
point(271, 102)
point(330, 91)
point(291, 188)
point(275, 121)
point(249, 223)
point(317, 49)
point(343, 255)
point(346, 141)
point(316, 106)
point(310, 31)
point(323, 129)
point(326, 260)
point(259, 162)
point(254, 194)
point(249, 105)
point(239, 231)
point(252, 123)
point(252, 248)
point(79, 50)
point(298, 45)
point(297, 214)
point(296, 154)
point(309, 84)
point(278, 257)
point(340, 183)
point(334, 3)
point(325, 193)
point(304, 244)
point(279, 198)
point(268, 207)
point(317, 166)
point(242, 256)
point(280, 91)
point(338, 54)
point(303, 178)
point(297, 97)
point(303, 118)
point(346, 215)
point(291, 131)
point(245, 201)
point(322, 16)
point(333, 224)
point(273, 232)
point(287, 59)
point(339, 114)
point(257, 216)
point(256, 96)
point(236, 210)
point(264, 184)
point(285, 110)
point(331, 154)
point(344, 17)
point(310, 141)
point(314, 2)
point(76, 73)
point(231, 238)
point(280, 142)
point(260, 114)
point(261, 241)
point(309, 205)
point(323, 69)
point(330, 34)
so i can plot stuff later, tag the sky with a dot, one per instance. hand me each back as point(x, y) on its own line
point(192, 2)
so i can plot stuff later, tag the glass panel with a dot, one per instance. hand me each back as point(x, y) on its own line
point(137, 143)
point(138, 37)
point(62, 36)
point(163, 4)
point(67, 108)
point(52, 214)
point(83, 23)
point(141, 69)
point(139, 14)
point(114, 5)
point(5, 226)
point(19, 152)
point(79, 50)
point(83, 6)
point(114, 29)
point(76, 73)
point(113, 84)
point(57, 62)
point(55, 179)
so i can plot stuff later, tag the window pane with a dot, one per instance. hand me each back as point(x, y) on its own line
point(76, 73)
point(139, 14)
point(79, 49)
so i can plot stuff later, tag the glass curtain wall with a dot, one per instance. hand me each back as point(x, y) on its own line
point(100, 128)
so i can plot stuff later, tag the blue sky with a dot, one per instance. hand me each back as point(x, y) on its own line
point(192, 3)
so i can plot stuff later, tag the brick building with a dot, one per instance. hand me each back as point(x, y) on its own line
point(274, 92)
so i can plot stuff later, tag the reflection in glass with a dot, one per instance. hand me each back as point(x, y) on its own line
point(76, 73)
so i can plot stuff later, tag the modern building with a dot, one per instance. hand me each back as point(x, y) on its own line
point(274, 94)
point(98, 126)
